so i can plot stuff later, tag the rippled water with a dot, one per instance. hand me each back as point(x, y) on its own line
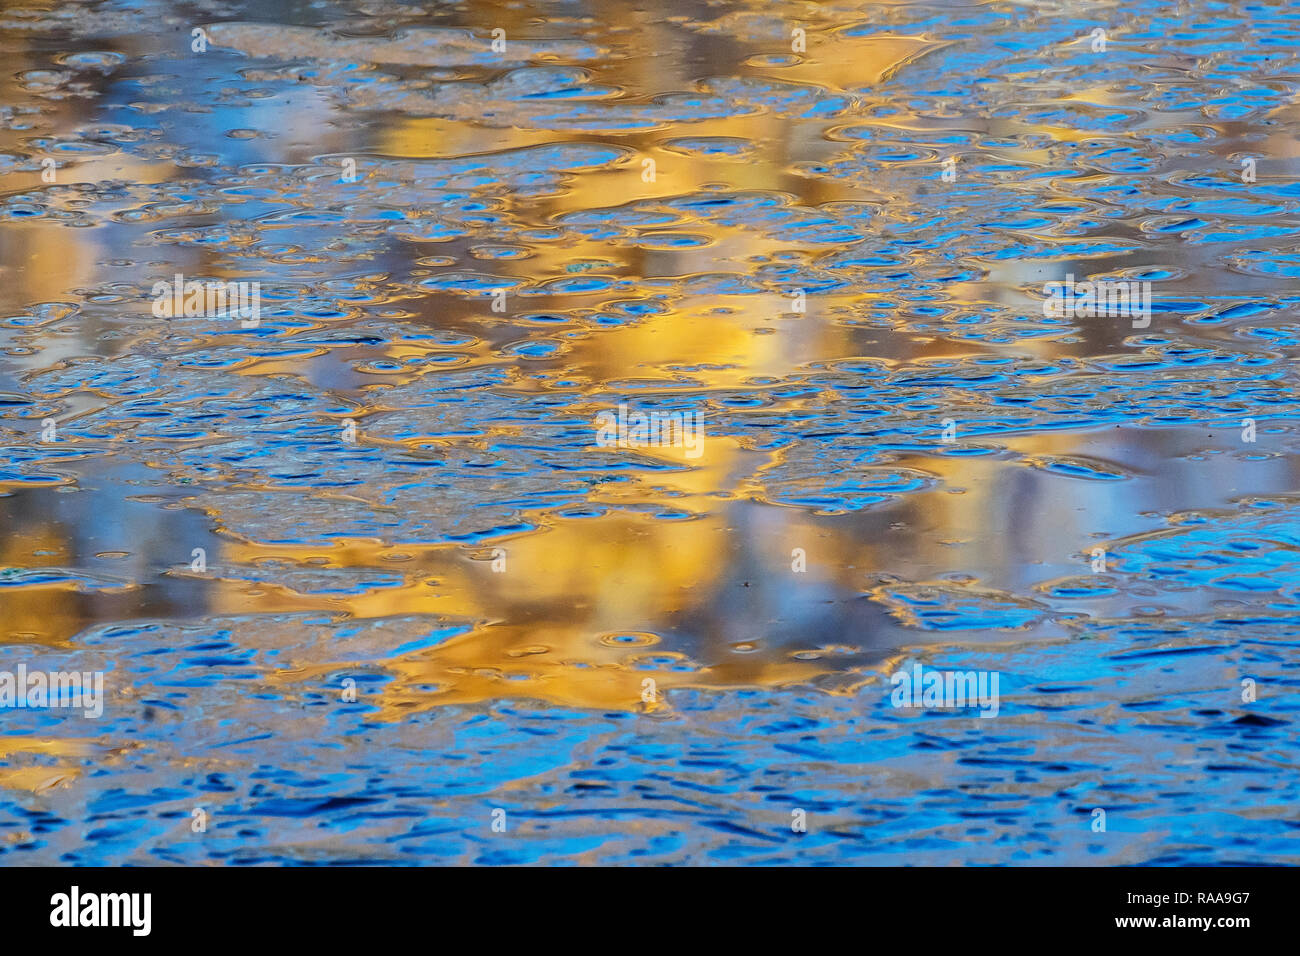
point(834, 245)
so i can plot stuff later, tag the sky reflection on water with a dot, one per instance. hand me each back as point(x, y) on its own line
point(837, 257)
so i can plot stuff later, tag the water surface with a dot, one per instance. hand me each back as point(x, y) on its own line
point(833, 246)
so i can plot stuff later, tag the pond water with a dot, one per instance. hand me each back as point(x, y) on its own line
point(973, 324)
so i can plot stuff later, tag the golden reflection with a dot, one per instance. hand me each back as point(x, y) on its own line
point(587, 608)
point(40, 778)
